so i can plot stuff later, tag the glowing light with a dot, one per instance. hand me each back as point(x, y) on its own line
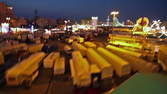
point(69, 26)
point(114, 12)
point(157, 28)
point(94, 18)
point(143, 21)
point(55, 29)
point(47, 31)
point(11, 8)
point(82, 27)
point(163, 30)
point(124, 43)
point(17, 29)
point(32, 28)
point(5, 27)
point(8, 18)
point(146, 29)
point(156, 25)
point(65, 22)
point(65, 28)
point(141, 26)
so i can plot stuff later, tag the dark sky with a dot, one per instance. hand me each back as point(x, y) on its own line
point(76, 9)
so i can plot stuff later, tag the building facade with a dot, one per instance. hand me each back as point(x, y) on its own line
point(6, 12)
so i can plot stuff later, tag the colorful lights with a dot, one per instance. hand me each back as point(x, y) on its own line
point(156, 25)
point(143, 21)
point(141, 26)
point(157, 28)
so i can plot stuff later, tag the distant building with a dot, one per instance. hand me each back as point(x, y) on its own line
point(6, 12)
point(164, 24)
point(86, 21)
point(18, 22)
point(94, 21)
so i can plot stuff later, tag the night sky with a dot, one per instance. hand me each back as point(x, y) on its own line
point(77, 9)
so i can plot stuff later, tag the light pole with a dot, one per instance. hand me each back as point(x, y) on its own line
point(8, 21)
point(108, 20)
point(114, 13)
